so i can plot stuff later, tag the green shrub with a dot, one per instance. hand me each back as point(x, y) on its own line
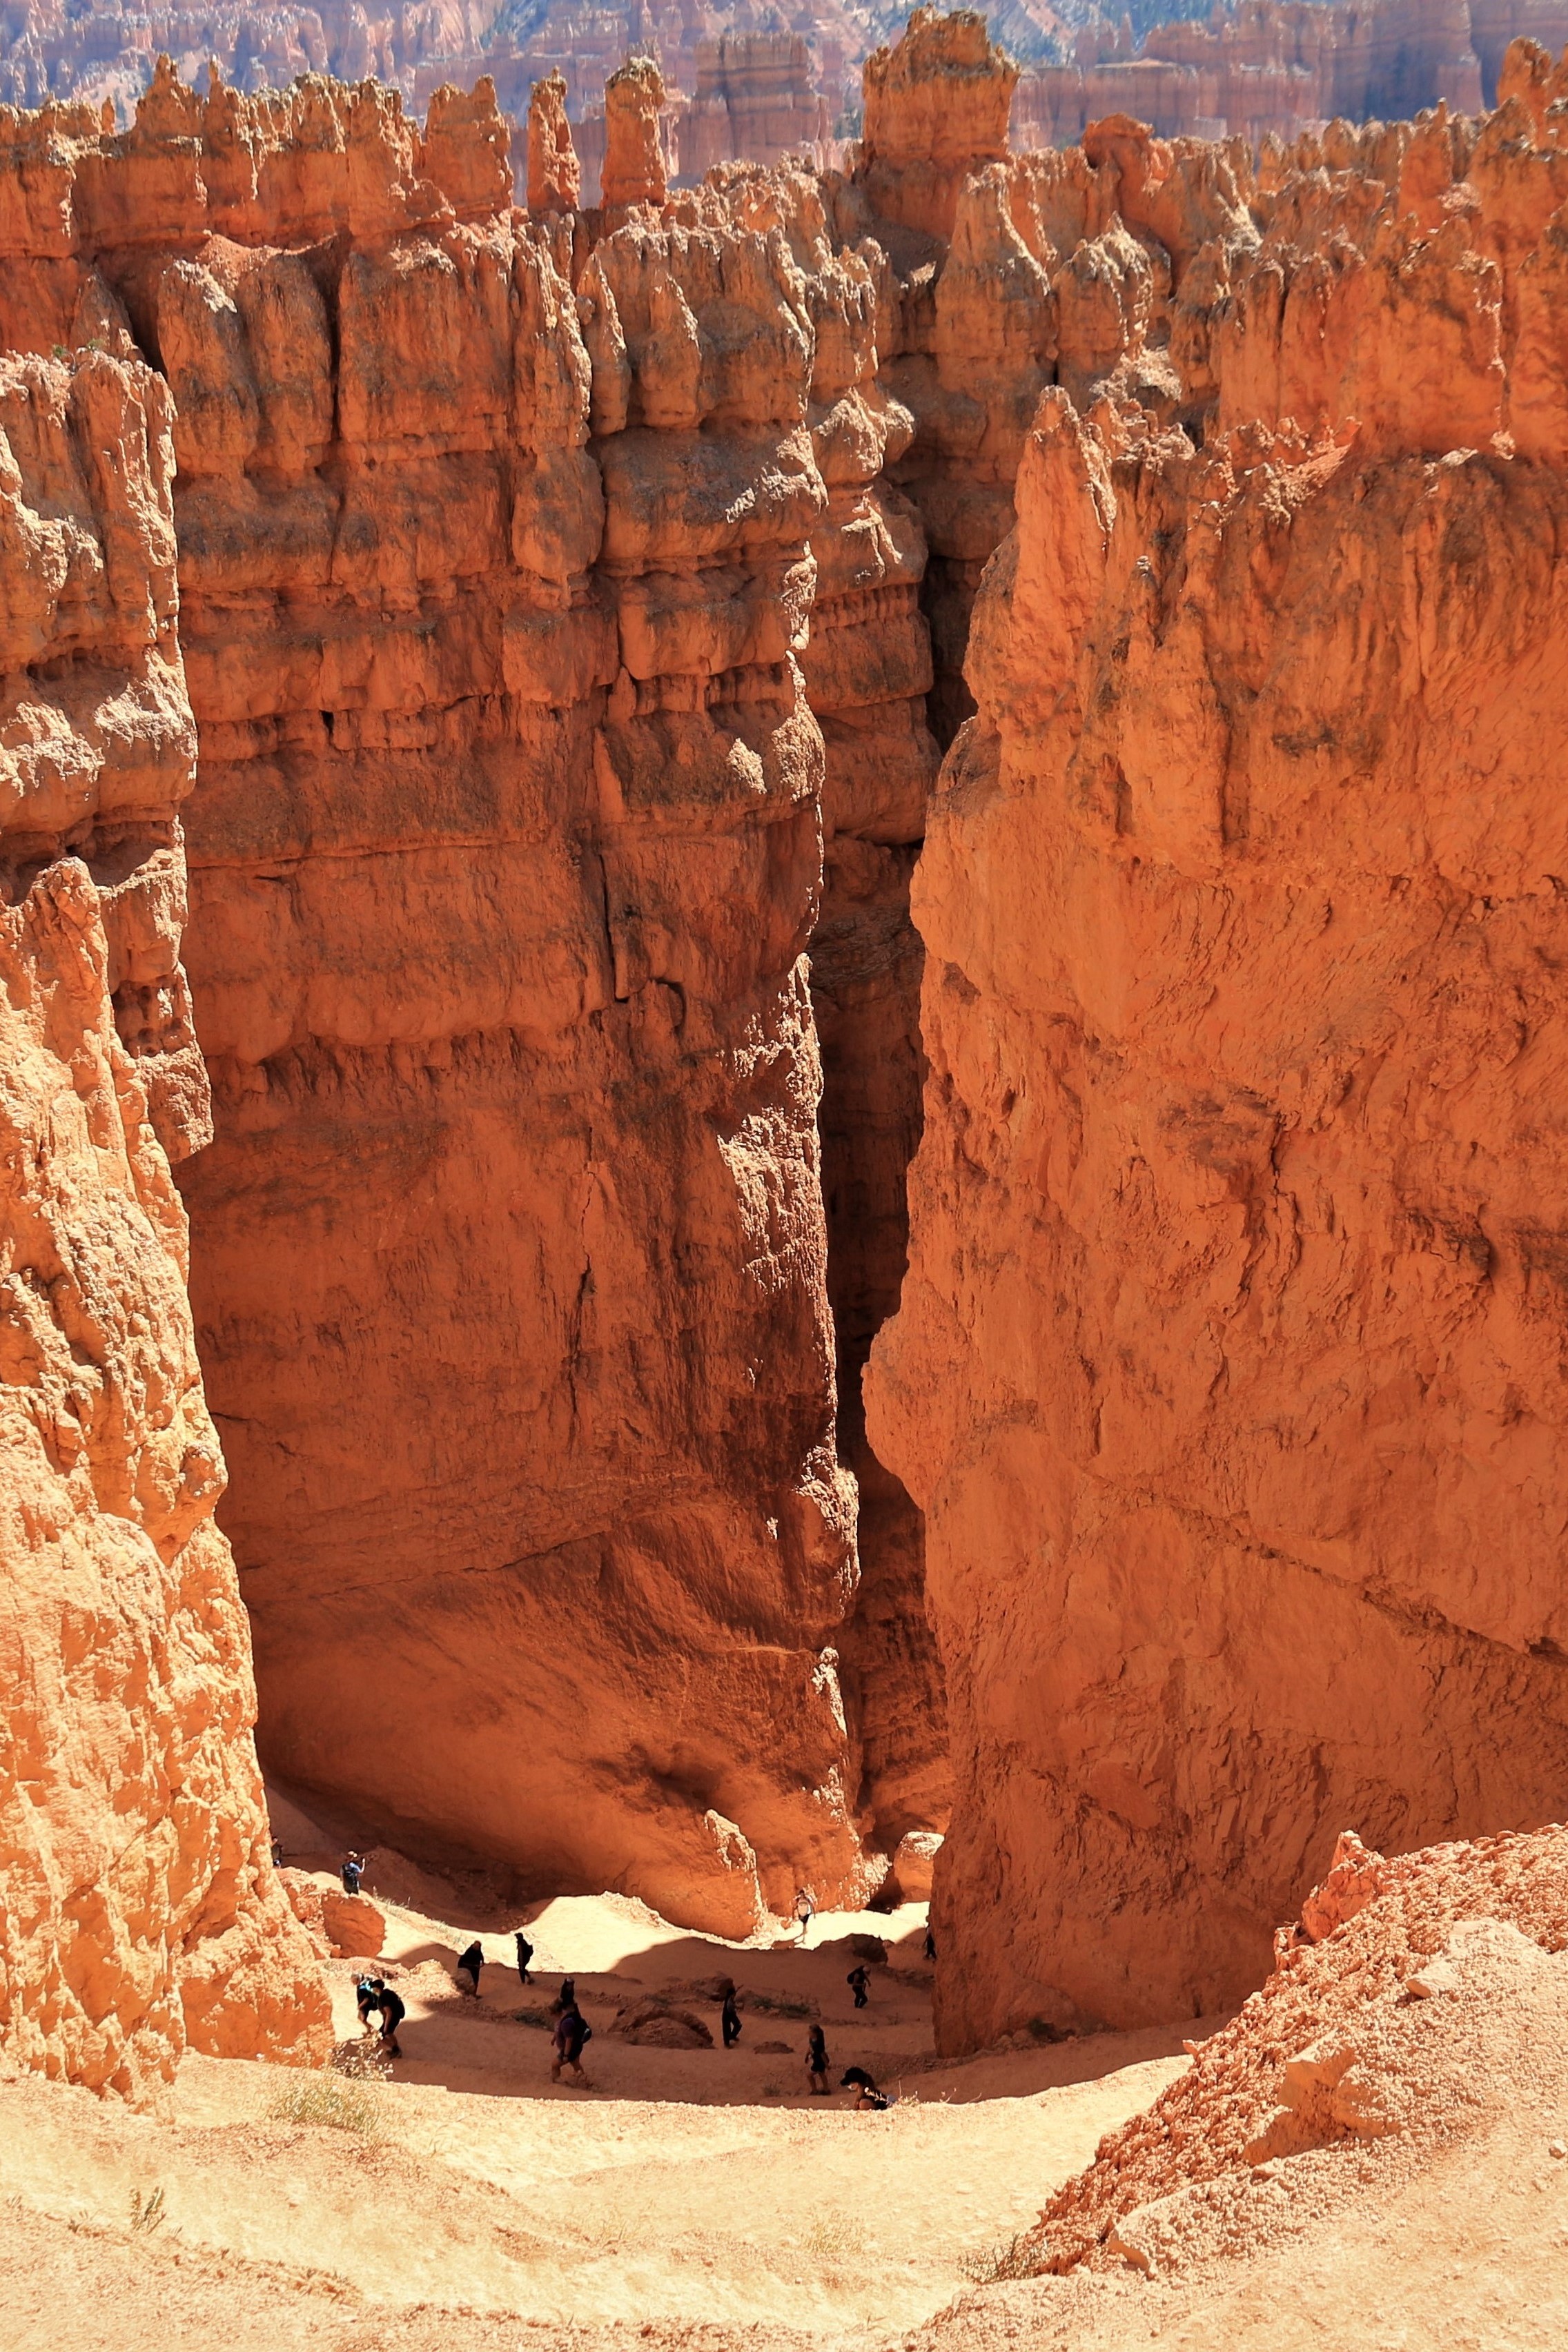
point(1012, 2259)
point(147, 2214)
point(327, 2098)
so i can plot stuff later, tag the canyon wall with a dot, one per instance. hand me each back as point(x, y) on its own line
point(754, 99)
point(573, 603)
point(139, 1911)
point(1229, 1370)
point(497, 543)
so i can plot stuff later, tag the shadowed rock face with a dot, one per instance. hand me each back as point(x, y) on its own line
point(139, 1911)
point(1228, 1372)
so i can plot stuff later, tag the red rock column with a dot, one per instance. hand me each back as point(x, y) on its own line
point(139, 1911)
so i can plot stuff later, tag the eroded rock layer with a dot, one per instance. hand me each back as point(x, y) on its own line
point(139, 1910)
point(498, 540)
point(1229, 1370)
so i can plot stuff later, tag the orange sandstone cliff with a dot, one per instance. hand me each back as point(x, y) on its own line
point(1228, 1371)
point(139, 1911)
point(497, 543)
point(572, 605)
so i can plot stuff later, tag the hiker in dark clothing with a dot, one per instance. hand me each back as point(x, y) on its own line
point(856, 1982)
point(393, 2012)
point(353, 1870)
point(817, 2062)
point(277, 1854)
point(367, 1993)
point(468, 1968)
point(729, 2020)
point(930, 1944)
point(524, 1956)
point(572, 2031)
point(869, 2100)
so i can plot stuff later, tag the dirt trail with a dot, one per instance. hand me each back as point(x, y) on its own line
point(691, 2189)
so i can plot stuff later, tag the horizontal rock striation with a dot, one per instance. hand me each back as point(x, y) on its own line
point(139, 1911)
point(1228, 1372)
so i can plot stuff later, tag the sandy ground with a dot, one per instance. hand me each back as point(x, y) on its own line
point(701, 2199)
point(1471, 2256)
point(691, 2189)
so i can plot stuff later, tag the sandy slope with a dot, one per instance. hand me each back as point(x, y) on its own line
point(690, 2188)
point(687, 2203)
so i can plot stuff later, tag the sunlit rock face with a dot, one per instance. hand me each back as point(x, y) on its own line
point(1228, 1370)
point(139, 1911)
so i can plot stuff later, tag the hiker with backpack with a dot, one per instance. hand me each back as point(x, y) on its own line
point(572, 2031)
point(869, 2100)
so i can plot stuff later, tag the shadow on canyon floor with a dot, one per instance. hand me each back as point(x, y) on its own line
point(619, 1954)
point(693, 2190)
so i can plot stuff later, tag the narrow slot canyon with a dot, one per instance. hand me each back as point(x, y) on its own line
point(780, 1063)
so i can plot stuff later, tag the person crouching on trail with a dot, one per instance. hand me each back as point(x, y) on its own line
point(468, 1968)
point(730, 2019)
point(856, 1981)
point(817, 2062)
point(572, 2031)
point(524, 1956)
point(393, 2012)
point(367, 1994)
point(869, 2100)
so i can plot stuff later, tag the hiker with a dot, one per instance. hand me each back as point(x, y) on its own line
point(930, 1944)
point(730, 2019)
point(392, 2013)
point(869, 2100)
point(805, 1911)
point(565, 1998)
point(368, 1992)
point(524, 1956)
point(856, 1981)
point(353, 1870)
point(817, 2062)
point(277, 1854)
point(572, 2031)
point(468, 1968)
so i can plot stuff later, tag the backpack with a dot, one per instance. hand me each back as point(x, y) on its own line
point(588, 2031)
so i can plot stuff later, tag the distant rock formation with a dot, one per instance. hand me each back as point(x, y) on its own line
point(755, 100)
point(1269, 68)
